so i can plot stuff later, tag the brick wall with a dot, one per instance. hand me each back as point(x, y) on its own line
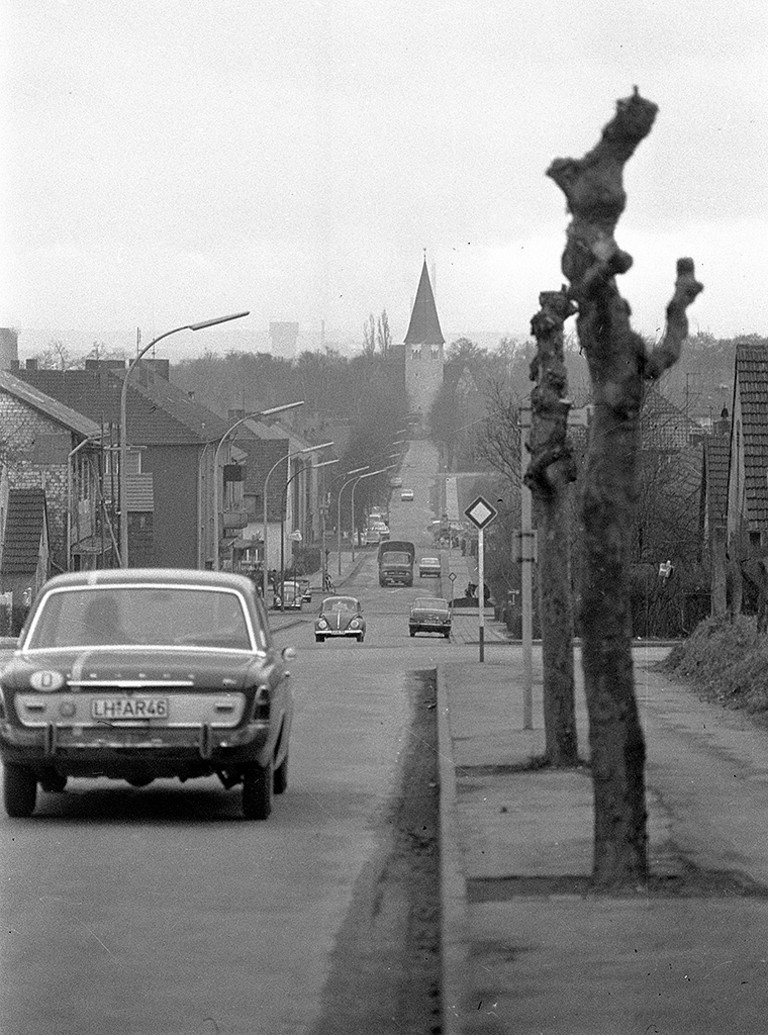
point(26, 435)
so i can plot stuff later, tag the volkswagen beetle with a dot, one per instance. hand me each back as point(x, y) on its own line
point(136, 674)
point(340, 616)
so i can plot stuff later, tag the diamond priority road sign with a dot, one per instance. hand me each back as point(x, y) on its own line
point(481, 512)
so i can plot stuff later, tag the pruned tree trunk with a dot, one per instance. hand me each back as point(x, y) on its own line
point(619, 367)
point(549, 475)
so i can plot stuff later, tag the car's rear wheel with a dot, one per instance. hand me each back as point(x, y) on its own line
point(258, 785)
point(280, 781)
point(319, 639)
point(19, 790)
point(360, 637)
point(447, 635)
point(53, 782)
point(412, 632)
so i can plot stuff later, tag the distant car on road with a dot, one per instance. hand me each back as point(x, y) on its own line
point(407, 495)
point(340, 616)
point(288, 596)
point(134, 674)
point(396, 482)
point(429, 568)
point(430, 614)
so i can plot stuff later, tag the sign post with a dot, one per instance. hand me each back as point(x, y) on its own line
point(481, 514)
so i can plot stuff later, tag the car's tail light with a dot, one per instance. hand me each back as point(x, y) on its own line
point(261, 703)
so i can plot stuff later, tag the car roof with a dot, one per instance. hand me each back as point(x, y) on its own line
point(435, 559)
point(337, 596)
point(150, 576)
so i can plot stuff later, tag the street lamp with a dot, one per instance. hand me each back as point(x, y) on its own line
point(354, 472)
point(370, 474)
point(283, 459)
point(325, 463)
point(250, 416)
point(123, 473)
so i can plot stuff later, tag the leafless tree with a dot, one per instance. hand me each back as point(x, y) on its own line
point(383, 334)
point(619, 367)
point(550, 473)
point(369, 336)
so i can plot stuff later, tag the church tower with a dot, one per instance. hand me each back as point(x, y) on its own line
point(424, 354)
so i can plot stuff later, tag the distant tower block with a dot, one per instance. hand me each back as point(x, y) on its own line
point(424, 352)
point(9, 348)
point(283, 337)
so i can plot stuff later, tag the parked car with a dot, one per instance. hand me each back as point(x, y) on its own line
point(430, 614)
point(136, 674)
point(407, 495)
point(396, 482)
point(429, 568)
point(288, 596)
point(340, 616)
point(371, 537)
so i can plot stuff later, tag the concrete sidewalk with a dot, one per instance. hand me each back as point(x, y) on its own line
point(526, 947)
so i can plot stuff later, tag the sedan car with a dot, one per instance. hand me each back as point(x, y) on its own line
point(429, 568)
point(136, 674)
point(407, 495)
point(340, 616)
point(430, 614)
point(288, 597)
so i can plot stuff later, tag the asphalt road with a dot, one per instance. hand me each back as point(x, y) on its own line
point(161, 911)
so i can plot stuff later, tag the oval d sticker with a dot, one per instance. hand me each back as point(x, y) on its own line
point(46, 681)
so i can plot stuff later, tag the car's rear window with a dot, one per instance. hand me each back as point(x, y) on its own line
point(171, 616)
point(431, 604)
point(395, 557)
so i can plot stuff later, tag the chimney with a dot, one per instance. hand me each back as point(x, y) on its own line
point(31, 364)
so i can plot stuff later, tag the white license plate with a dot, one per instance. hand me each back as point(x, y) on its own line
point(111, 708)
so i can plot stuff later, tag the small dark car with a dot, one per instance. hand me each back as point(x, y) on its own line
point(136, 674)
point(340, 616)
point(430, 614)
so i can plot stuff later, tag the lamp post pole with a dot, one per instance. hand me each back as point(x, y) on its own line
point(283, 509)
point(355, 471)
point(250, 416)
point(370, 474)
point(123, 473)
point(283, 459)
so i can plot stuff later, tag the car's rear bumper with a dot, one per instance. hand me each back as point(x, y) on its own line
point(136, 749)
point(429, 627)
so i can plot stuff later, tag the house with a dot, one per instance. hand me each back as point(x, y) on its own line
point(25, 562)
point(747, 520)
point(172, 442)
point(714, 505)
point(48, 446)
point(277, 459)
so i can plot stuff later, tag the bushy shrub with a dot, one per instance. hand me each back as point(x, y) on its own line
point(727, 661)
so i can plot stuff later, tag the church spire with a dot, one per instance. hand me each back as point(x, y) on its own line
point(424, 328)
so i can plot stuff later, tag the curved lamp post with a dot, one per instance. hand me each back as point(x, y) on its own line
point(250, 416)
point(354, 472)
point(283, 459)
point(123, 474)
point(325, 463)
point(370, 474)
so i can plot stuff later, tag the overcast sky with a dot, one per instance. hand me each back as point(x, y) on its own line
point(169, 161)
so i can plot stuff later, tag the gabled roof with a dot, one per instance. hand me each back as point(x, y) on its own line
point(24, 525)
point(716, 457)
point(159, 412)
point(752, 386)
point(48, 406)
point(665, 426)
point(424, 328)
